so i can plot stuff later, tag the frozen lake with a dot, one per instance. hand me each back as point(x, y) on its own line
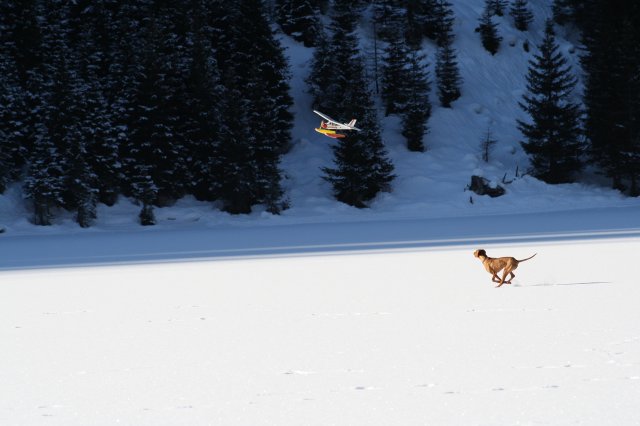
point(398, 336)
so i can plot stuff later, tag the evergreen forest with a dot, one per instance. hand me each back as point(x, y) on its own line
point(155, 100)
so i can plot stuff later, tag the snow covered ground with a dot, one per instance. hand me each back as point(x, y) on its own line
point(404, 336)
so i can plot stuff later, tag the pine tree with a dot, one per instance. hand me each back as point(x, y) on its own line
point(99, 54)
point(299, 19)
point(388, 17)
point(103, 142)
point(143, 189)
point(612, 92)
point(447, 75)
point(284, 15)
point(562, 11)
point(254, 71)
point(12, 120)
point(20, 25)
point(489, 32)
point(21, 83)
point(630, 66)
point(321, 73)
point(576, 11)
point(205, 90)
point(128, 29)
point(361, 168)
point(147, 217)
point(443, 22)
point(173, 52)
point(58, 175)
point(405, 90)
point(44, 183)
point(82, 184)
point(417, 109)
point(272, 73)
point(158, 110)
point(86, 141)
point(62, 111)
point(237, 169)
point(141, 108)
point(146, 128)
point(521, 14)
point(150, 137)
point(419, 22)
point(496, 7)
point(394, 74)
point(553, 135)
point(262, 76)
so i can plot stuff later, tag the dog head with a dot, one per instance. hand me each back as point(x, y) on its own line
point(480, 252)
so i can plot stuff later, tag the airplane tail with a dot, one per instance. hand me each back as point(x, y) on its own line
point(352, 123)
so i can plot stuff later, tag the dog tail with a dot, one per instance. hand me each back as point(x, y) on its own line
point(527, 258)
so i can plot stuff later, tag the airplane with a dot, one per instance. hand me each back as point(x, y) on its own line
point(329, 127)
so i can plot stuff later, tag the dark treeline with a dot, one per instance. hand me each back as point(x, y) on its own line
point(151, 99)
point(157, 99)
point(611, 65)
point(154, 100)
point(611, 36)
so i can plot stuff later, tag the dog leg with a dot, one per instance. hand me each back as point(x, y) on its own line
point(512, 277)
point(503, 278)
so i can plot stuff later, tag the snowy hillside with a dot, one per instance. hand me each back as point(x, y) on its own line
point(430, 184)
point(433, 183)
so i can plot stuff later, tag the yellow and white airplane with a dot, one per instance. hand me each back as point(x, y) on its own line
point(329, 127)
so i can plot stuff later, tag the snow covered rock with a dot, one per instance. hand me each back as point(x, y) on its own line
point(482, 186)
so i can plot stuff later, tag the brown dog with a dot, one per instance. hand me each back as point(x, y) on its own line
point(495, 265)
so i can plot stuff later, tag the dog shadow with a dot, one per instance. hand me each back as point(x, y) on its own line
point(563, 284)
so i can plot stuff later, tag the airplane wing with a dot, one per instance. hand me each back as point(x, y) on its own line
point(326, 117)
point(336, 124)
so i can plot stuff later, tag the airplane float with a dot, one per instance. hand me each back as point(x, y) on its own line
point(329, 127)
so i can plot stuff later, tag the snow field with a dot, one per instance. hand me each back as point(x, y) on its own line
point(404, 337)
